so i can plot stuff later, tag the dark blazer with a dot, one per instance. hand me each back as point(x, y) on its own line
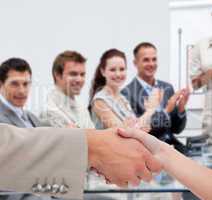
point(163, 126)
point(8, 116)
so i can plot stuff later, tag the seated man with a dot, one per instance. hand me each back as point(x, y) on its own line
point(170, 118)
point(64, 107)
point(15, 82)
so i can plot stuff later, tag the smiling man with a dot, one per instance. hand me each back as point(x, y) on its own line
point(64, 106)
point(170, 116)
point(15, 83)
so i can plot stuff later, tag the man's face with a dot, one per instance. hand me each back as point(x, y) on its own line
point(146, 62)
point(72, 79)
point(16, 87)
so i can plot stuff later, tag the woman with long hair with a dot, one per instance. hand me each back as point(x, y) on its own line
point(107, 105)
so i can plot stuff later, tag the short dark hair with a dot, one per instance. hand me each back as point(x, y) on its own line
point(16, 64)
point(143, 45)
point(62, 58)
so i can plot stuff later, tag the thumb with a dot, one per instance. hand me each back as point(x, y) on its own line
point(149, 141)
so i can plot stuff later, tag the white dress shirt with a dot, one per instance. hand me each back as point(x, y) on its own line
point(63, 110)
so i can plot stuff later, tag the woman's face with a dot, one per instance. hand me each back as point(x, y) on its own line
point(115, 72)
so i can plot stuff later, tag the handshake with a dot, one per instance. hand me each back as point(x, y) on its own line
point(124, 156)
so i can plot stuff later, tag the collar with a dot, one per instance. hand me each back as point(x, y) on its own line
point(146, 85)
point(18, 110)
point(61, 98)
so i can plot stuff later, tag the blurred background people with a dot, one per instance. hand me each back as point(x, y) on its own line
point(15, 83)
point(108, 106)
point(200, 69)
point(64, 106)
point(172, 106)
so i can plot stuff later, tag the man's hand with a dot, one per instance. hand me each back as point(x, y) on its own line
point(154, 100)
point(120, 160)
point(183, 100)
point(174, 100)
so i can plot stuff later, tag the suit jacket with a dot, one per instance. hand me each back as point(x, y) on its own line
point(200, 62)
point(8, 116)
point(163, 125)
point(61, 110)
point(52, 155)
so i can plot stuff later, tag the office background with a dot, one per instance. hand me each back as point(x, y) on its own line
point(39, 30)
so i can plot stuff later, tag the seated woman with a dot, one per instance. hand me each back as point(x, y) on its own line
point(108, 106)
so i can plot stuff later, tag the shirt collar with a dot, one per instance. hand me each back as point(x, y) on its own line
point(18, 110)
point(146, 85)
point(64, 99)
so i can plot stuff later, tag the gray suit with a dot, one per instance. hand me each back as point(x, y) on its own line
point(8, 116)
point(32, 156)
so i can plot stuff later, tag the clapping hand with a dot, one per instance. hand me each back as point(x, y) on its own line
point(153, 100)
point(180, 99)
point(183, 99)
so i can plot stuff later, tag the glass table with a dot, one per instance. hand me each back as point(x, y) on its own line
point(161, 188)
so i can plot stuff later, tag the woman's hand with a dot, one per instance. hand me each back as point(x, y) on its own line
point(155, 146)
point(133, 122)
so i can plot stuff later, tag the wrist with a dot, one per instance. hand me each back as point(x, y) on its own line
point(96, 145)
point(181, 110)
point(164, 154)
point(92, 141)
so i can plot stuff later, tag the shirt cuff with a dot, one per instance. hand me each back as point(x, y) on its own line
point(181, 115)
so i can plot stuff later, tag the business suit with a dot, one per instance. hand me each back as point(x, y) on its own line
point(163, 124)
point(8, 116)
point(56, 154)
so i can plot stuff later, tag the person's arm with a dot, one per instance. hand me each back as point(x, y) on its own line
point(187, 171)
point(202, 79)
point(43, 155)
point(199, 76)
point(33, 157)
point(105, 114)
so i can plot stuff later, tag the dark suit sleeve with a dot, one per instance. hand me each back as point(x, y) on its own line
point(178, 123)
point(160, 123)
point(126, 93)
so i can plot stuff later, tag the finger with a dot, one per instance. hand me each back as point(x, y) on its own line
point(135, 181)
point(145, 129)
point(150, 142)
point(176, 96)
point(153, 163)
point(123, 133)
point(145, 174)
point(122, 184)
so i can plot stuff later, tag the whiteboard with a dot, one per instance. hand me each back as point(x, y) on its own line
point(38, 30)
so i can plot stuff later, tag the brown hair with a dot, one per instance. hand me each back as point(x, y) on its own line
point(143, 45)
point(62, 58)
point(99, 80)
